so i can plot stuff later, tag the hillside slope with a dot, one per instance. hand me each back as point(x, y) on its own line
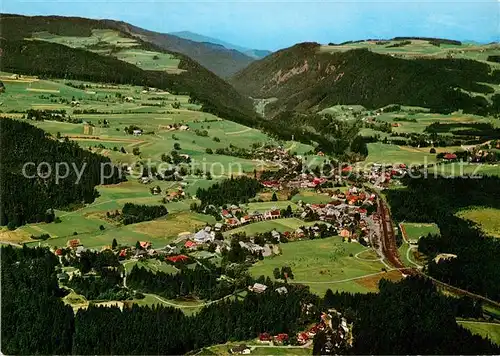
point(306, 79)
point(54, 60)
point(254, 53)
point(218, 59)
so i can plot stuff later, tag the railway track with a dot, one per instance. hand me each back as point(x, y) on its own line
point(391, 253)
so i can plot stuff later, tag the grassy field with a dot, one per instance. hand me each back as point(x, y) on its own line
point(392, 154)
point(265, 206)
point(486, 330)
point(421, 49)
point(322, 264)
point(487, 218)
point(311, 197)
point(459, 169)
point(415, 230)
point(416, 122)
point(153, 265)
point(281, 225)
point(107, 42)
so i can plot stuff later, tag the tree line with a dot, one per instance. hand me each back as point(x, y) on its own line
point(229, 191)
point(27, 200)
point(407, 317)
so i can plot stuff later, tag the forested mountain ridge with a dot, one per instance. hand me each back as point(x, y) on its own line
point(305, 78)
point(220, 60)
point(24, 199)
point(254, 53)
point(58, 61)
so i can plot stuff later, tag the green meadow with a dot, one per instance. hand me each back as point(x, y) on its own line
point(487, 330)
point(281, 225)
point(487, 218)
point(322, 264)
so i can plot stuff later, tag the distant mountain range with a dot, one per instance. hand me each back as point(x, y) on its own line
point(254, 53)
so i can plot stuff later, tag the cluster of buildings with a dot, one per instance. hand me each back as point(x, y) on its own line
point(234, 216)
point(337, 330)
point(347, 212)
point(382, 174)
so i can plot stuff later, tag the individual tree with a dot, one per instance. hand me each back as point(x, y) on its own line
point(274, 197)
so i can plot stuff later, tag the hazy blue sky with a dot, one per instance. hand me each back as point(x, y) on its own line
point(277, 24)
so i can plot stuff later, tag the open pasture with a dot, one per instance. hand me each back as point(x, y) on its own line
point(415, 230)
point(487, 330)
point(322, 264)
point(487, 218)
point(281, 225)
point(108, 139)
point(391, 154)
point(311, 197)
point(459, 169)
point(269, 205)
point(153, 265)
point(420, 49)
point(406, 123)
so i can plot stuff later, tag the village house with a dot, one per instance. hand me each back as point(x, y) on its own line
point(257, 288)
point(265, 337)
point(245, 219)
point(252, 247)
point(178, 258)
point(281, 290)
point(74, 243)
point(275, 234)
point(281, 339)
point(272, 214)
point(190, 244)
point(232, 222)
point(79, 250)
point(203, 236)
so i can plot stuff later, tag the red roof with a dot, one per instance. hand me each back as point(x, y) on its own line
point(190, 244)
point(347, 169)
point(178, 258)
point(145, 244)
point(270, 183)
point(123, 253)
point(275, 213)
point(264, 337)
point(402, 165)
point(282, 337)
point(450, 156)
point(363, 211)
point(58, 252)
point(303, 336)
